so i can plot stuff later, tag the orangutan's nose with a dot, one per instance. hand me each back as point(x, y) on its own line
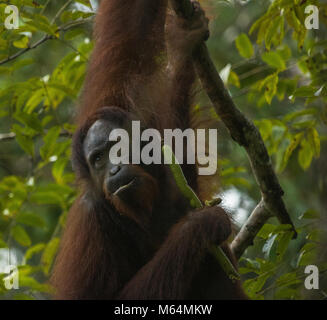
point(114, 170)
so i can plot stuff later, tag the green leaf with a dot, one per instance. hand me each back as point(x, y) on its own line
point(304, 124)
point(21, 236)
point(41, 23)
point(283, 242)
point(5, 71)
point(242, 270)
point(30, 120)
point(257, 23)
point(73, 33)
point(244, 46)
point(21, 43)
point(32, 284)
point(281, 228)
point(314, 140)
point(58, 170)
point(315, 235)
point(50, 143)
point(285, 53)
point(274, 60)
point(47, 197)
point(179, 177)
point(49, 254)
point(30, 219)
point(251, 264)
point(307, 255)
point(288, 279)
point(34, 250)
point(262, 31)
point(232, 170)
point(62, 190)
point(266, 230)
point(3, 244)
point(294, 115)
point(34, 100)
point(22, 63)
point(270, 86)
point(294, 144)
point(292, 20)
point(305, 91)
point(253, 286)
point(63, 89)
point(272, 32)
point(234, 79)
point(26, 143)
point(286, 87)
point(265, 127)
point(310, 214)
point(266, 249)
point(305, 154)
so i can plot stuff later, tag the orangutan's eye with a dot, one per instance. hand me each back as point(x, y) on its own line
point(97, 159)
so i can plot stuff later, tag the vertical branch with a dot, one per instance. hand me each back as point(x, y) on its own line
point(245, 133)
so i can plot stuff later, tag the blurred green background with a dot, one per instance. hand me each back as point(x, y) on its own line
point(276, 72)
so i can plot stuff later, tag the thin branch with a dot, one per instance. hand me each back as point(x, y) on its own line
point(66, 43)
point(250, 228)
point(44, 39)
point(245, 133)
point(7, 136)
point(33, 46)
point(61, 10)
point(12, 136)
point(44, 7)
point(286, 283)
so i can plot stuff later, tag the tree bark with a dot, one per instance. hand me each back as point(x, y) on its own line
point(245, 133)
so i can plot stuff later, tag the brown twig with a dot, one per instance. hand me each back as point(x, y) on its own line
point(42, 40)
point(12, 135)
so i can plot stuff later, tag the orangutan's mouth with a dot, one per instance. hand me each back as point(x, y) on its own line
point(124, 187)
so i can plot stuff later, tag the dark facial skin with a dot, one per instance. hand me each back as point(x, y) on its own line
point(96, 150)
point(119, 183)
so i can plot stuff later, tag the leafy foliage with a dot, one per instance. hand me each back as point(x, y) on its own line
point(292, 73)
point(33, 106)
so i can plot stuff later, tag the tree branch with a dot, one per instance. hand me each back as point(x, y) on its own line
point(42, 40)
point(249, 230)
point(7, 136)
point(33, 46)
point(245, 133)
point(12, 135)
